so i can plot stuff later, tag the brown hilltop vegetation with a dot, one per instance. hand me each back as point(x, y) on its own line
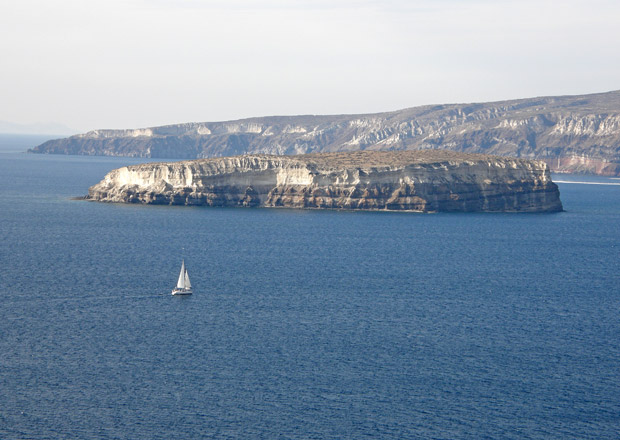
point(359, 158)
point(368, 159)
point(362, 159)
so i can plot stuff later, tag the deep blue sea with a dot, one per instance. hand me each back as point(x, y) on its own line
point(303, 324)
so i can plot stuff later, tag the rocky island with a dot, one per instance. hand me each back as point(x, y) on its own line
point(579, 134)
point(420, 181)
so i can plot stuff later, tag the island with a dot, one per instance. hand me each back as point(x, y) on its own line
point(417, 181)
point(573, 134)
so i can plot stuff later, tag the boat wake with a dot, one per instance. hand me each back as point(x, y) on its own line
point(588, 183)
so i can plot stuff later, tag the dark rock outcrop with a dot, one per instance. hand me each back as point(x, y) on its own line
point(423, 181)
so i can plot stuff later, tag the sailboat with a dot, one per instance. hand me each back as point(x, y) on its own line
point(184, 287)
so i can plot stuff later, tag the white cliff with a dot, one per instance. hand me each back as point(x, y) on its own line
point(424, 181)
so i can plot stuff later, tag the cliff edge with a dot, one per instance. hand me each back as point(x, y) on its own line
point(421, 181)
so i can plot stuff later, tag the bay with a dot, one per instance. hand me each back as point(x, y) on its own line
point(303, 324)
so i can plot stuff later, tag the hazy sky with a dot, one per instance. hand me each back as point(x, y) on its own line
point(135, 63)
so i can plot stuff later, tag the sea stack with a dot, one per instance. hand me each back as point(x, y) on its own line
point(419, 181)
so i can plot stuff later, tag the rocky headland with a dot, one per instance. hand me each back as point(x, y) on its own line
point(421, 181)
point(570, 133)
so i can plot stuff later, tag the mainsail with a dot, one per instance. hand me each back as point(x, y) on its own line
point(183, 278)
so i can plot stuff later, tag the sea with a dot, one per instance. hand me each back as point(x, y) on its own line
point(304, 324)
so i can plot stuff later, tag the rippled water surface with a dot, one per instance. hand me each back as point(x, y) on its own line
point(303, 324)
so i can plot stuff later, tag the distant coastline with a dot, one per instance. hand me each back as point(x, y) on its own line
point(573, 134)
point(588, 183)
point(22, 142)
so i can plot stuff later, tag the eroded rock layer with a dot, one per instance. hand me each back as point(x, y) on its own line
point(424, 181)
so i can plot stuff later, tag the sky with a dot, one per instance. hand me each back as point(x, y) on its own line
point(139, 63)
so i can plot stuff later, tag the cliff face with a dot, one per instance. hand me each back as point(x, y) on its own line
point(424, 181)
point(571, 133)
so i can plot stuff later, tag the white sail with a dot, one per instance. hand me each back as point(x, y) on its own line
point(188, 285)
point(184, 287)
point(182, 277)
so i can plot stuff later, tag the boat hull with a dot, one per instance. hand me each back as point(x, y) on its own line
point(177, 292)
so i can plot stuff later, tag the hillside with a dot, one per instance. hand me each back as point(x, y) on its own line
point(570, 133)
